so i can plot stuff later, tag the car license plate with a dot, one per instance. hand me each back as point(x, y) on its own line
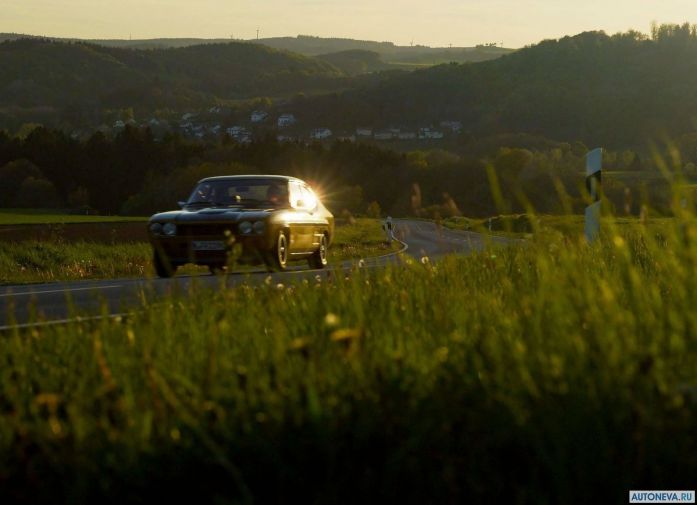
point(208, 245)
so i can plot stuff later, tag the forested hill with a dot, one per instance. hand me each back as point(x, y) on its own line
point(313, 46)
point(38, 72)
point(389, 52)
point(621, 89)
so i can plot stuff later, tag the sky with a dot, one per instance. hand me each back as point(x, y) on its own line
point(515, 23)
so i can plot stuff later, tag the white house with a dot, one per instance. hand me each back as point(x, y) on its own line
point(406, 135)
point(428, 133)
point(454, 126)
point(286, 120)
point(320, 133)
point(364, 132)
point(383, 135)
point(258, 116)
point(188, 115)
point(119, 124)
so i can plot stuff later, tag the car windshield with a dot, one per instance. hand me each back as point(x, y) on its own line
point(247, 192)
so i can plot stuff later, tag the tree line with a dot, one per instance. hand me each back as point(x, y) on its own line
point(133, 173)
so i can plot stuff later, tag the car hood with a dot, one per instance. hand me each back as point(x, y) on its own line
point(213, 215)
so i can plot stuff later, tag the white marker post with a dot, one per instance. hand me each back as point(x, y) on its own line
point(389, 230)
point(594, 165)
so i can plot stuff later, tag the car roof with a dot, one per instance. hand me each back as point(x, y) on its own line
point(260, 176)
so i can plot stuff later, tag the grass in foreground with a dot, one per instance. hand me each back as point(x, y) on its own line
point(548, 226)
point(548, 373)
point(39, 261)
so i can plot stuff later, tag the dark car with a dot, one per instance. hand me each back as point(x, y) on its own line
point(260, 219)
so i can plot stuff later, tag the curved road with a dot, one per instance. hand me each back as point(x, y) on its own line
point(54, 302)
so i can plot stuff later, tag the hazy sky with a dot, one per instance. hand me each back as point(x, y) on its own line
point(430, 22)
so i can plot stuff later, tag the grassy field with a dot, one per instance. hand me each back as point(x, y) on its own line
point(45, 261)
point(48, 216)
point(547, 226)
point(550, 373)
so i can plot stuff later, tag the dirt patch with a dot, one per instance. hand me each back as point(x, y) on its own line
point(77, 232)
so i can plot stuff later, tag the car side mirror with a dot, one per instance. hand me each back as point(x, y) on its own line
point(181, 204)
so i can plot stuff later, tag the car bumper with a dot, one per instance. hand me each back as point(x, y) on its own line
point(182, 250)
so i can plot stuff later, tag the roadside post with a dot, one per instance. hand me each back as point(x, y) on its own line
point(594, 164)
point(388, 228)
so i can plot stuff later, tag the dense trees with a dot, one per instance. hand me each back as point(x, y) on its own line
point(101, 172)
point(134, 174)
point(616, 91)
point(78, 78)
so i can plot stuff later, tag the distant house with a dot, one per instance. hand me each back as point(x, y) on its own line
point(259, 116)
point(453, 126)
point(215, 130)
point(383, 135)
point(364, 132)
point(285, 138)
point(286, 120)
point(119, 125)
point(215, 110)
point(347, 138)
point(188, 115)
point(429, 133)
point(406, 135)
point(154, 122)
point(320, 133)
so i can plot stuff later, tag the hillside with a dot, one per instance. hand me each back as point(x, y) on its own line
point(313, 46)
point(389, 52)
point(620, 89)
point(355, 61)
point(40, 73)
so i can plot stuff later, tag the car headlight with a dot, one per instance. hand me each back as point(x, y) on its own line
point(156, 228)
point(259, 227)
point(245, 227)
point(170, 229)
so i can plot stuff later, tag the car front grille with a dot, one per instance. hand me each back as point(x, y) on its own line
point(205, 230)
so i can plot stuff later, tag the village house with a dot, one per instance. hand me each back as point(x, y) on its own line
point(429, 133)
point(383, 135)
point(320, 133)
point(406, 135)
point(259, 116)
point(453, 126)
point(364, 132)
point(286, 120)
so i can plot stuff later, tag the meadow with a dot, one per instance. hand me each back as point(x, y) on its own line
point(554, 372)
point(52, 216)
point(93, 253)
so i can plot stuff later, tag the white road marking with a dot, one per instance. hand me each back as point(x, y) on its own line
point(63, 321)
point(65, 290)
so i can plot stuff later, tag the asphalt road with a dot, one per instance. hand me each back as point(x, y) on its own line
point(56, 302)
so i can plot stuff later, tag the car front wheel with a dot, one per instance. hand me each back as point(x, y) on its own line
point(280, 253)
point(163, 266)
point(319, 257)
